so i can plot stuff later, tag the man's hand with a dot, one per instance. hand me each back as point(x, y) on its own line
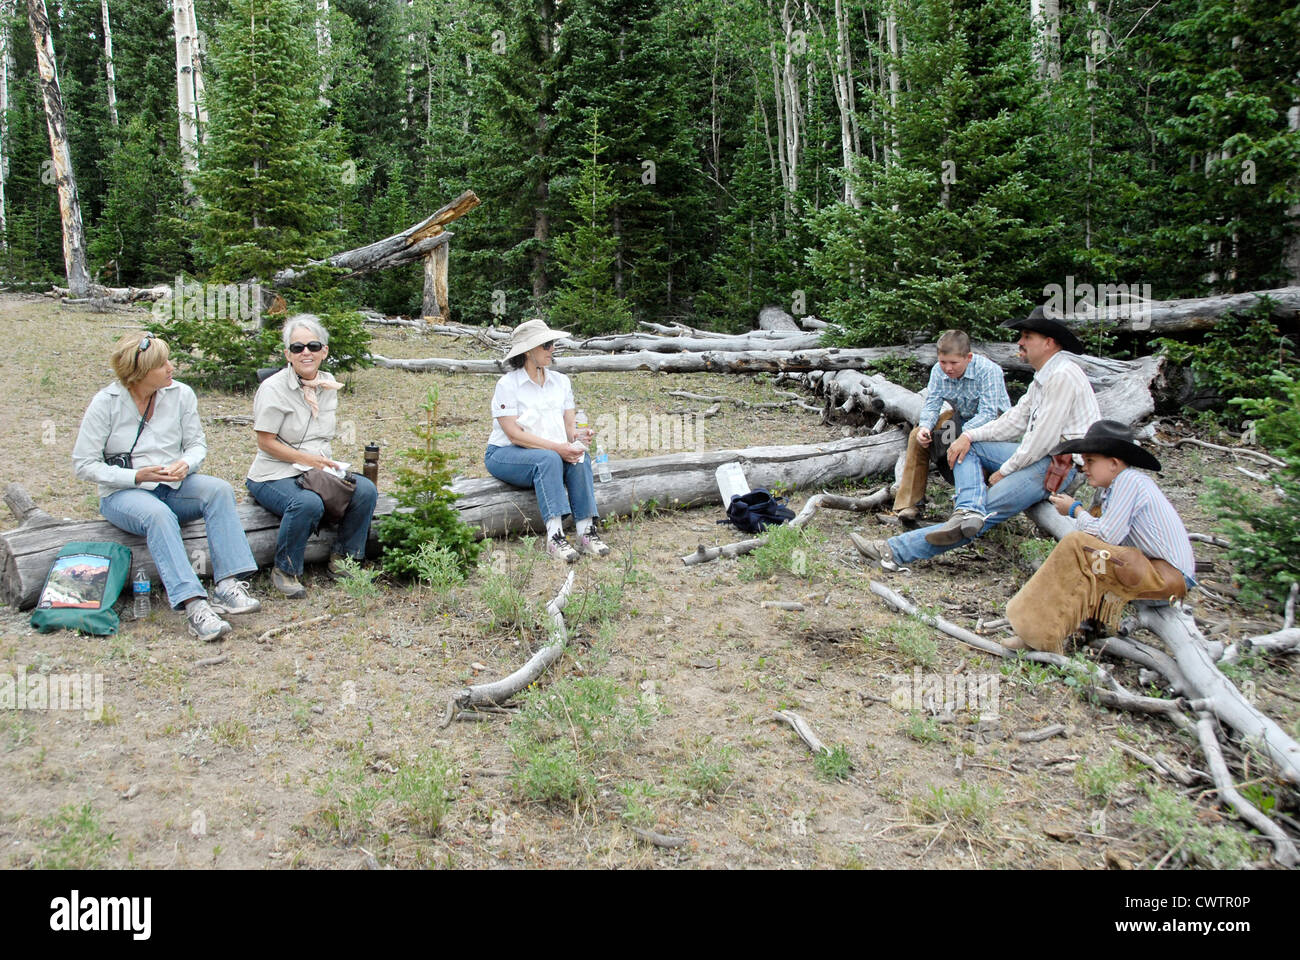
point(958, 450)
point(998, 475)
point(923, 436)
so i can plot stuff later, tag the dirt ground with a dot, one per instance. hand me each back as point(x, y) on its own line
point(323, 746)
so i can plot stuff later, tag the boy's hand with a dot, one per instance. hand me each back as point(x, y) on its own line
point(1062, 503)
point(923, 436)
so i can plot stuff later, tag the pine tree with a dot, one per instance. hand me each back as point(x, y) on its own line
point(266, 178)
point(946, 235)
point(586, 300)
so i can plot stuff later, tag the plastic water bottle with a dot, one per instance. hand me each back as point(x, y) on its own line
point(140, 588)
point(602, 464)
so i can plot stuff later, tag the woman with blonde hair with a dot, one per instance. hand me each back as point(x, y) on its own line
point(142, 442)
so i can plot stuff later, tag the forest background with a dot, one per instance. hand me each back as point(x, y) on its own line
point(897, 168)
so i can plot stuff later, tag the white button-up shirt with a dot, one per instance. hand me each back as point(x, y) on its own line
point(539, 409)
point(109, 426)
point(1059, 405)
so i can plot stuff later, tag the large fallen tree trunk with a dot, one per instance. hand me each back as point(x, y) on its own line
point(1179, 316)
point(494, 508)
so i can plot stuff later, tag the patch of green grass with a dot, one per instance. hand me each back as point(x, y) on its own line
point(75, 839)
point(912, 639)
point(924, 729)
point(637, 809)
point(231, 733)
point(509, 608)
point(422, 791)
point(569, 731)
point(439, 567)
point(600, 603)
point(967, 805)
point(1173, 818)
point(836, 765)
point(710, 774)
point(1102, 780)
point(15, 729)
point(1034, 551)
point(358, 582)
point(797, 551)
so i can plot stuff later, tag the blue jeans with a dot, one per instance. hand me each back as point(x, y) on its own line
point(562, 487)
point(1011, 495)
point(300, 513)
point(157, 516)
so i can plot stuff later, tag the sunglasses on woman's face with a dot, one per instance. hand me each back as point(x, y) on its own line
point(315, 346)
point(549, 345)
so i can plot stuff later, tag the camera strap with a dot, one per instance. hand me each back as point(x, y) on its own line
point(144, 418)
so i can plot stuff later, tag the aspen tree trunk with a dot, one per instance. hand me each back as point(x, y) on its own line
point(1291, 259)
point(6, 9)
point(189, 88)
point(891, 31)
point(1045, 17)
point(1096, 47)
point(108, 63)
point(74, 244)
point(324, 42)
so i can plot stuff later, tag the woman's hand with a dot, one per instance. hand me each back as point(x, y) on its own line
point(177, 471)
point(572, 452)
point(584, 435)
point(153, 475)
point(317, 461)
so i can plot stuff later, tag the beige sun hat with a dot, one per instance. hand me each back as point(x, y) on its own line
point(532, 333)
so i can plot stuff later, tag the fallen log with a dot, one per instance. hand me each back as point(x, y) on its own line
point(1182, 316)
point(494, 508)
point(754, 340)
point(774, 318)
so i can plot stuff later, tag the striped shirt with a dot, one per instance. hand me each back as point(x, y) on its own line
point(978, 395)
point(1059, 405)
point(1134, 513)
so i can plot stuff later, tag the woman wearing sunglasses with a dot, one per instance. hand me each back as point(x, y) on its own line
point(534, 442)
point(141, 441)
point(293, 416)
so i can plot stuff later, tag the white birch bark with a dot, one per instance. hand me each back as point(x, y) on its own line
point(74, 244)
point(6, 60)
point(1045, 16)
point(324, 43)
point(192, 118)
point(110, 76)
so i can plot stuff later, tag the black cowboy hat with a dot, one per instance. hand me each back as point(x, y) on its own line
point(1039, 322)
point(1110, 438)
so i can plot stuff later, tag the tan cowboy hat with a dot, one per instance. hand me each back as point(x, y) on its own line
point(532, 333)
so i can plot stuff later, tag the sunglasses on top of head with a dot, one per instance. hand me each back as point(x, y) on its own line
point(315, 346)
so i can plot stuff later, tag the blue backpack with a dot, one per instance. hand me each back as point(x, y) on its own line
point(757, 509)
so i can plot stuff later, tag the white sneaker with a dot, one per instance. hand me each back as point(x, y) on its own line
point(560, 548)
point(234, 599)
point(205, 624)
point(590, 544)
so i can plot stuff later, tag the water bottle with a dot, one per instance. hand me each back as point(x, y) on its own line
point(371, 468)
point(140, 588)
point(602, 464)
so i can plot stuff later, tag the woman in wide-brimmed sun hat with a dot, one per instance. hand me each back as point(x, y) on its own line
point(535, 443)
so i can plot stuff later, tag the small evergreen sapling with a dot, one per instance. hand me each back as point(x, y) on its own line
point(425, 513)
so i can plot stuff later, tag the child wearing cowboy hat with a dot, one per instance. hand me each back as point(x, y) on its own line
point(1136, 549)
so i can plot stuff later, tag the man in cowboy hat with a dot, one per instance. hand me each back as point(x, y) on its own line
point(1059, 405)
point(1137, 549)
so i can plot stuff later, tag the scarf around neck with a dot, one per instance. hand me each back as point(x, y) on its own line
point(309, 388)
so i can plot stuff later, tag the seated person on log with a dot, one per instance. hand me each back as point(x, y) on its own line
point(294, 418)
point(534, 442)
point(142, 442)
point(1059, 405)
point(1136, 549)
point(977, 391)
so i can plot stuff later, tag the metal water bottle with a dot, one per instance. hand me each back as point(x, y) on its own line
point(371, 468)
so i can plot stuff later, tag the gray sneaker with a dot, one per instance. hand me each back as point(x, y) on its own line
point(590, 544)
point(560, 548)
point(287, 584)
point(962, 525)
point(234, 599)
point(877, 551)
point(205, 624)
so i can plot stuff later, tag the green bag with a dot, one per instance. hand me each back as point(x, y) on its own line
point(82, 587)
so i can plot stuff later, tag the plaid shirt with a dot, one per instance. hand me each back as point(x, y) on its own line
point(978, 395)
